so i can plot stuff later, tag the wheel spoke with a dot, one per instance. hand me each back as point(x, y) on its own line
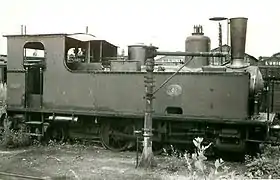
point(57, 134)
point(111, 140)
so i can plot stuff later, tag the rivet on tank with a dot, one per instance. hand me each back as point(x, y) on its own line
point(198, 42)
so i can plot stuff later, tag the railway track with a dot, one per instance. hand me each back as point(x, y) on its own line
point(11, 176)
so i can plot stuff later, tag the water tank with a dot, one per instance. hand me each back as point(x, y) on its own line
point(197, 43)
point(137, 52)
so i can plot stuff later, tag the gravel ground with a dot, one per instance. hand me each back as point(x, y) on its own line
point(70, 162)
point(80, 162)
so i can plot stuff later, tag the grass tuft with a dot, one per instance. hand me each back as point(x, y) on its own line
point(196, 166)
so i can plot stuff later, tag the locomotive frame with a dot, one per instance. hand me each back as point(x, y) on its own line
point(108, 105)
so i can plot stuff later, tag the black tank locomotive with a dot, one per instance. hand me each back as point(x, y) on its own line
point(78, 87)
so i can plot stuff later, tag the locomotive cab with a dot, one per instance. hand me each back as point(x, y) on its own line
point(86, 52)
point(34, 56)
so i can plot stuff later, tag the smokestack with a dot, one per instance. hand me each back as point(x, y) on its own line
point(238, 30)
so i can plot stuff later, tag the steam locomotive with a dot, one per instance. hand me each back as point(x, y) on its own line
point(79, 88)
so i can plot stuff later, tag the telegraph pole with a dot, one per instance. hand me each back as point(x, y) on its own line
point(220, 33)
point(147, 159)
point(221, 41)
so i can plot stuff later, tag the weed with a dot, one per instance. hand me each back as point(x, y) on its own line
point(265, 165)
point(12, 138)
point(196, 165)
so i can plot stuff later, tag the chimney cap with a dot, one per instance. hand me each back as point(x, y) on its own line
point(217, 18)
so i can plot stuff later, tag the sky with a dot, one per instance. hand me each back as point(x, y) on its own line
point(163, 23)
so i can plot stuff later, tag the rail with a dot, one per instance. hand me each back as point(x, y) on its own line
point(23, 176)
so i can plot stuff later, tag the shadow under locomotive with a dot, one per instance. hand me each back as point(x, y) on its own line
point(78, 87)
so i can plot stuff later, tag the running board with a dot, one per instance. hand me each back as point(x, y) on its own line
point(34, 122)
point(63, 118)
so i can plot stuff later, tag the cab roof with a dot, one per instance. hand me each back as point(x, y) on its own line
point(84, 37)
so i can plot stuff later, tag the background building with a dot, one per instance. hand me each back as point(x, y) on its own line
point(225, 48)
point(274, 60)
point(170, 60)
